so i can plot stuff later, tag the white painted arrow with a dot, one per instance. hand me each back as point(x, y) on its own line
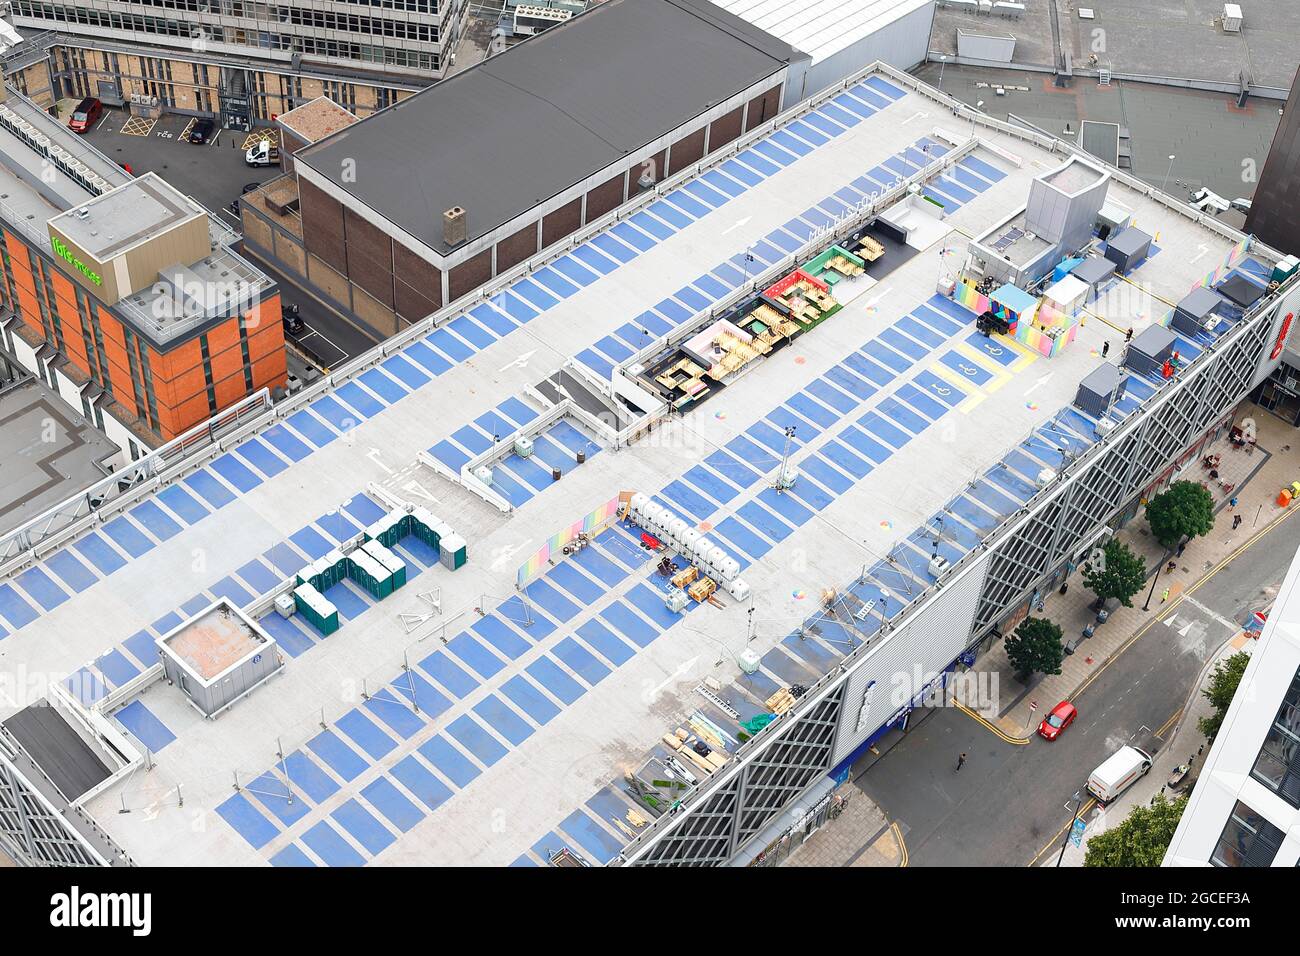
point(874, 299)
point(520, 362)
point(1038, 384)
point(739, 223)
point(919, 114)
point(415, 488)
point(683, 670)
point(373, 455)
point(1201, 251)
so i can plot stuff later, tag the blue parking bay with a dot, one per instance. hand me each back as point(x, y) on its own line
point(713, 486)
point(724, 184)
point(785, 506)
point(917, 399)
point(154, 520)
point(968, 369)
point(993, 349)
point(272, 792)
point(469, 650)
point(742, 537)
point(772, 152)
point(39, 586)
point(651, 225)
point(365, 733)
point(845, 460)
point(812, 410)
point(127, 536)
point(904, 345)
point(850, 383)
point(865, 445)
point(363, 827)
point(633, 237)
point(306, 776)
point(551, 601)
point(827, 394)
point(695, 504)
point(500, 717)
point(446, 672)
point(764, 520)
point(449, 761)
point(116, 668)
point(651, 603)
point(337, 755)
point(419, 692)
point(735, 471)
point(687, 204)
point(554, 678)
point(501, 636)
point(292, 856)
point(581, 661)
point(474, 738)
point(705, 193)
point(247, 821)
point(628, 623)
point(602, 640)
point(886, 356)
point(554, 282)
point(670, 214)
point(536, 296)
point(325, 842)
point(811, 494)
point(144, 726)
point(530, 700)
point(933, 385)
point(900, 414)
point(576, 583)
point(402, 370)
point(599, 567)
point(593, 838)
point(980, 167)
point(388, 800)
point(71, 571)
point(258, 454)
point(593, 258)
point(883, 430)
point(417, 778)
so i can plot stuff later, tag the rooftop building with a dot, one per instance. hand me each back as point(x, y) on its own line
point(122, 294)
point(1245, 807)
point(534, 526)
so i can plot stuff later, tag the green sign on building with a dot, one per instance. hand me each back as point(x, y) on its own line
point(63, 252)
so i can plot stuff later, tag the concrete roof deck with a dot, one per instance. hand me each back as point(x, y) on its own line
point(568, 702)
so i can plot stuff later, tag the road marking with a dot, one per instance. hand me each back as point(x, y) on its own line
point(1164, 728)
point(997, 731)
point(1230, 625)
point(739, 224)
point(1051, 844)
point(902, 844)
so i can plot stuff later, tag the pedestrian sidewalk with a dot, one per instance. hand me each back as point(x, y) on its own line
point(860, 836)
point(1255, 479)
point(1185, 744)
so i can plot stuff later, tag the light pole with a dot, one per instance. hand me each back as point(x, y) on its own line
point(1078, 800)
point(943, 61)
point(979, 105)
point(1167, 172)
point(1146, 605)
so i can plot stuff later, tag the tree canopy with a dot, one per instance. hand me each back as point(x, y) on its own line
point(1141, 840)
point(1118, 573)
point(1184, 509)
point(1035, 648)
point(1223, 685)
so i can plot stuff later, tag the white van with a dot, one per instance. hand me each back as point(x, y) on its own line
point(262, 153)
point(1118, 773)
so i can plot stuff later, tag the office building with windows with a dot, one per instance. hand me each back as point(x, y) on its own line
point(243, 63)
point(122, 294)
point(1245, 808)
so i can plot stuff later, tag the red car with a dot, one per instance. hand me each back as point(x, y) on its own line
point(1054, 724)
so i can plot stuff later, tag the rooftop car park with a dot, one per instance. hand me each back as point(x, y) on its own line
point(814, 398)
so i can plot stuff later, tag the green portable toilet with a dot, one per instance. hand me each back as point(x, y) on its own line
point(316, 608)
point(452, 552)
point(391, 562)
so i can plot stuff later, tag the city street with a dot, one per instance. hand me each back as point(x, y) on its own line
point(1007, 805)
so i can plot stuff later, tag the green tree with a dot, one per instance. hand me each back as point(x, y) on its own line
point(1141, 840)
point(1119, 573)
point(1185, 509)
point(1035, 648)
point(1223, 684)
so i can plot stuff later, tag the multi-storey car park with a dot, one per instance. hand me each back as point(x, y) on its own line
point(415, 614)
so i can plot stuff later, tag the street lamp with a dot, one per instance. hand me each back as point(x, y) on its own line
point(1078, 800)
point(1146, 605)
point(979, 105)
point(1167, 172)
point(943, 61)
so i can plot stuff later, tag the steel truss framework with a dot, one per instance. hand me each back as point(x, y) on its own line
point(1030, 547)
point(32, 829)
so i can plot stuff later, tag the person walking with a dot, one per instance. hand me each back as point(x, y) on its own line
point(1105, 349)
point(1128, 336)
point(1164, 595)
point(1171, 567)
point(961, 760)
point(1236, 522)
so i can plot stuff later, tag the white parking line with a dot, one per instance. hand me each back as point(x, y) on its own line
point(312, 330)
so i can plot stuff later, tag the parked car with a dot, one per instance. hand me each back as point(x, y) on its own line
point(293, 323)
point(201, 131)
point(1054, 724)
point(1119, 771)
point(249, 187)
point(86, 115)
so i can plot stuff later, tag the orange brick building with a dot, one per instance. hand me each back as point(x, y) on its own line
point(144, 312)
